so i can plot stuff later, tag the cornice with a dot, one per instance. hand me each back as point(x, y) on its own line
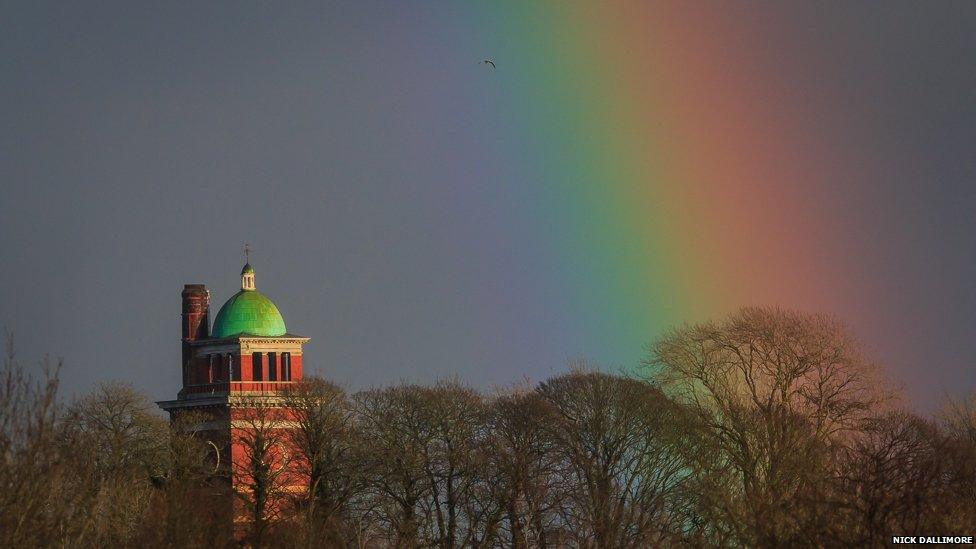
point(192, 403)
point(274, 339)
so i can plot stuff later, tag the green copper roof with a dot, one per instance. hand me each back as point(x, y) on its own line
point(250, 312)
point(247, 269)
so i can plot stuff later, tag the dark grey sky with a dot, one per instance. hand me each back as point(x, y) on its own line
point(141, 144)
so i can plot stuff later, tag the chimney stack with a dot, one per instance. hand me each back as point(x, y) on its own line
point(196, 319)
point(196, 312)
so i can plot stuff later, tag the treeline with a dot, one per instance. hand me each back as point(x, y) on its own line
point(766, 429)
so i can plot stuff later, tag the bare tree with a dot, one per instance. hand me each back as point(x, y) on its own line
point(189, 504)
point(326, 440)
point(767, 429)
point(522, 459)
point(123, 428)
point(454, 417)
point(957, 422)
point(31, 467)
point(120, 446)
point(262, 462)
point(622, 467)
point(394, 435)
point(421, 450)
point(890, 479)
point(772, 391)
point(98, 473)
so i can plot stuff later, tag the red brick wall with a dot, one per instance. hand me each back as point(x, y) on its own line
point(296, 367)
point(284, 457)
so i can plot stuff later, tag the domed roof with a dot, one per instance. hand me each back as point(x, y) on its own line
point(248, 312)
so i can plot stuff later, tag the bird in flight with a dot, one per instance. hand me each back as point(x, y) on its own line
point(488, 62)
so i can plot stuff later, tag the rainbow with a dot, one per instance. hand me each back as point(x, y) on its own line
point(678, 178)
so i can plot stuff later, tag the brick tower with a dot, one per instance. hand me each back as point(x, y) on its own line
point(234, 376)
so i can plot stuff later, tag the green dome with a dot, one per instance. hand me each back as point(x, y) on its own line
point(248, 312)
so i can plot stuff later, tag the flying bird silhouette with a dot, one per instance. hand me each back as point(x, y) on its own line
point(488, 62)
